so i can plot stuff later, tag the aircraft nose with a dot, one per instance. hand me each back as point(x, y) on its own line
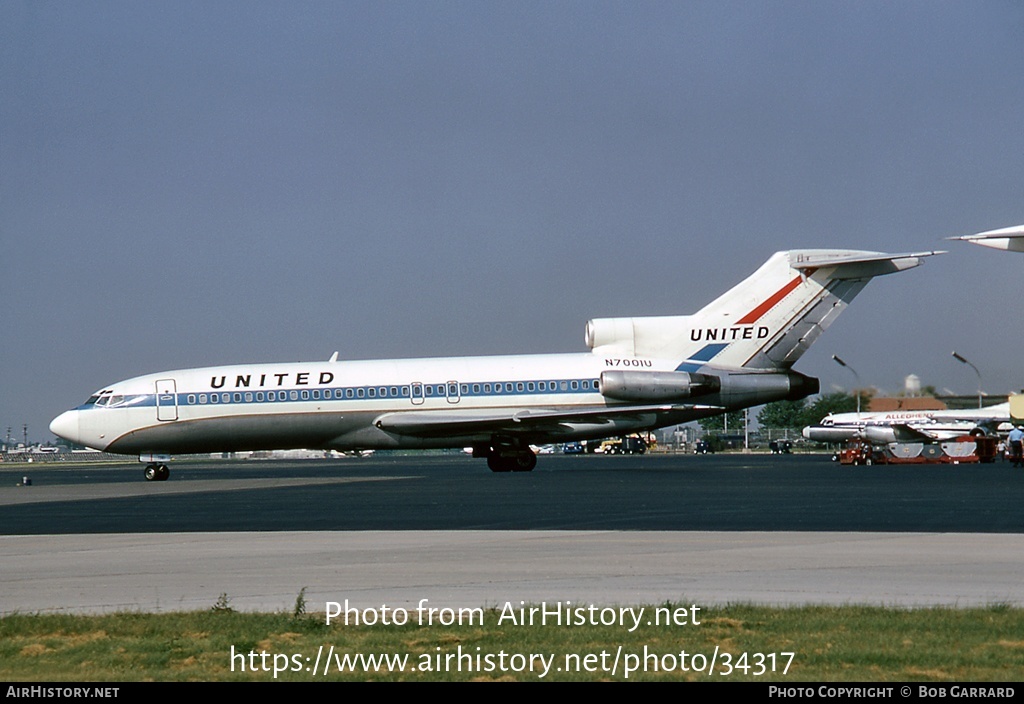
point(66, 426)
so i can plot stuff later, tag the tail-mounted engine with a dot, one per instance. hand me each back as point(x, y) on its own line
point(730, 388)
point(655, 387)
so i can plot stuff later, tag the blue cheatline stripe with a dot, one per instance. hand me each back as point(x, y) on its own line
point(702, 356)
point(707, 352)
point(365, 393)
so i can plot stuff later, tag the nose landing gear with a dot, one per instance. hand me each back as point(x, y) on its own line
point(157, 472)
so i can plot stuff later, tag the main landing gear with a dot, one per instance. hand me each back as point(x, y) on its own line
point(505, 455)
point(522, 461)
point(157, 472)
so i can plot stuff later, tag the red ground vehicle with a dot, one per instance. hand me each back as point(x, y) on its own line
point(961, 450)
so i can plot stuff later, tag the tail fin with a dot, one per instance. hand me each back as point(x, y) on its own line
point(767, 321)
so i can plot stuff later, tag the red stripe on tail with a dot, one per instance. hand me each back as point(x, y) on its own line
point(755, 314)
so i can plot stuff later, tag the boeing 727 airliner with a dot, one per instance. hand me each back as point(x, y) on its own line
point(641, 374)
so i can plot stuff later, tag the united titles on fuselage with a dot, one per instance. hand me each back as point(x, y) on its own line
point(245, 381)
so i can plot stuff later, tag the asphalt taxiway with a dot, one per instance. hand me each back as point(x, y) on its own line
point(395, 530)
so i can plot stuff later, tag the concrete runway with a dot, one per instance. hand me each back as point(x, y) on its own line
point(590, 530)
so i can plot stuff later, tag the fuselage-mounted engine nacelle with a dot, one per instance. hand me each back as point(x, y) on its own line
point(730, 388)
point(655, 387)
point(753, 387)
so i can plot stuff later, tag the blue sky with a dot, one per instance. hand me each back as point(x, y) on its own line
point(187, 184)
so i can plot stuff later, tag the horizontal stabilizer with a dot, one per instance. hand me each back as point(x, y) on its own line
point(858, 265)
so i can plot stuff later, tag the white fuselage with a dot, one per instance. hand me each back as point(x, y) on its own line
point(883, 426)
point(334, 404)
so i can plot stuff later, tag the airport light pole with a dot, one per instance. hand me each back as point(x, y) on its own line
point(746, 430)
point(856, 377)
point(960, 358)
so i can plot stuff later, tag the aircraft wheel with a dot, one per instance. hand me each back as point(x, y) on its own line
point(524, 462)
point(869, 462)
point(151, 473)
point(162, 473)
point(496, 463)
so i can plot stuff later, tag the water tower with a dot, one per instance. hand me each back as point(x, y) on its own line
point(912, 385)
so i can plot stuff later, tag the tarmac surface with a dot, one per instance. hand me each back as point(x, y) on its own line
point(603, 530)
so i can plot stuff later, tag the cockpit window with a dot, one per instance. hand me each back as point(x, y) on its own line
point(108, 399)
point(99, 398)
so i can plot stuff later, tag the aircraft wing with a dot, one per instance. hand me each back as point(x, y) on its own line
point(906, 433)
point(429, 424)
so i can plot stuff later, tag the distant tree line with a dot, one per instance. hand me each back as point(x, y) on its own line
point(797, 414)
point(788, 414)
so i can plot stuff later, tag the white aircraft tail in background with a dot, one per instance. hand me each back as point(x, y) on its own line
point(641, 374)
point(1008, 238)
